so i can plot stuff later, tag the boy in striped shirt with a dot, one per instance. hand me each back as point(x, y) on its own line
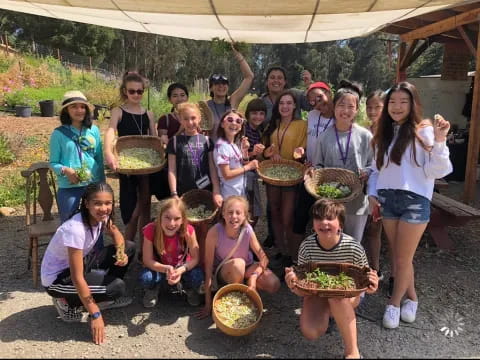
point(330, 244)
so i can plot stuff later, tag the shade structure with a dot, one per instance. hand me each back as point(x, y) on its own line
point(253, 21)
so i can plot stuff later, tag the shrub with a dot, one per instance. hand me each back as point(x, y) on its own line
point(6, 154)
point(12, 189)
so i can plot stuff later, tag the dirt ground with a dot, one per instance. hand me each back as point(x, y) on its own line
point(447, 283)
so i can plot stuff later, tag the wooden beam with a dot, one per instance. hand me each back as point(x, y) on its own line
point(467, 40)
point(408, 53)
point(418, 51)
point(442, 26)
point(401, 74)
point(473, 137)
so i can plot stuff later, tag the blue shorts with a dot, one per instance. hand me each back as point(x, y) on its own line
point(404, 205)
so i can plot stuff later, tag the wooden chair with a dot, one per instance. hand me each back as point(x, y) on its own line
point(40, 191)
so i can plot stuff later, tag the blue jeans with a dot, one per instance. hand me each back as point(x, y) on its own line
point(68, 202)
point(192, 279)
point(404, 205)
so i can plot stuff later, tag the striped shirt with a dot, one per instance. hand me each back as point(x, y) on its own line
point(253, 136)
point(346, 251)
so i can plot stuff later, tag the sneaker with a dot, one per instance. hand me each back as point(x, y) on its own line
point(408, 310)
point(67, 313)
point(380, 275)
point(391, 318)
point(193, 297)
point(390, 287)
point(150, 298)
point(122, 301)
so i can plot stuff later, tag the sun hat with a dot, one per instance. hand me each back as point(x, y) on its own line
point(319, 85)
point(75, 97)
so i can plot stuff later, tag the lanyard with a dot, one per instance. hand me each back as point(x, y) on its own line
point(237, 155)
point(77, 145)
point(343, 157)
point(280, 141)
point(318, 123)
point(195, 154)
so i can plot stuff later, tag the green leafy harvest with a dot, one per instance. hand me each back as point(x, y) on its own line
point(324, 280)
point(333, 190)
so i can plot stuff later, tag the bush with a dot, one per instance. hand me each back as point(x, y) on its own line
point(18, 97)
point(12, 189)
point(6, 154)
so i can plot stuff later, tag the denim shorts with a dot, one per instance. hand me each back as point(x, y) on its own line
point(404, 205)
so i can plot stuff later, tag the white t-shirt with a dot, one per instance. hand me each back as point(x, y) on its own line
point(229, 154)
point(317, 124)
point(72, 233)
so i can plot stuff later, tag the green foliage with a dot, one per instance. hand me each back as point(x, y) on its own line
point(18, 97)
point(324, 280)
point(6, 154)
point(5, 63)
point(429, 63)
point(12, 189)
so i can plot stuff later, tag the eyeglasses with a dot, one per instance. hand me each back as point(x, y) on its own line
point(132, 91)
point(219, 78)
point(231, 119)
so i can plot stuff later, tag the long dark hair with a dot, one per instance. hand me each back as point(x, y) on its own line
point(221, 130)
point(174, 86)
point(65, 118)
point(407, 132)
point(276, 118)
point(90, 191)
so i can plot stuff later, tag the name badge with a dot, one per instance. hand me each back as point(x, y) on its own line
point(203, 182)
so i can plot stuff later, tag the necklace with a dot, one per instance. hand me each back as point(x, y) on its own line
point(280, 141)
point(140, 128)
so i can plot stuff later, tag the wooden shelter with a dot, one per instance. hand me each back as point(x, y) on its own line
point(458, 29)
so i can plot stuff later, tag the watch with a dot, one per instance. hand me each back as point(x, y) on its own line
point(95, 315)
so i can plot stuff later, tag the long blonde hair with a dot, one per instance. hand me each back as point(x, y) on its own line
point(245, 204)
point(158, 239)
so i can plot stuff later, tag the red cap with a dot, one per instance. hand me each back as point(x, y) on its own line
point(319, 85)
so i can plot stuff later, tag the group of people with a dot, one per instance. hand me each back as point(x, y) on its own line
point(398, 158)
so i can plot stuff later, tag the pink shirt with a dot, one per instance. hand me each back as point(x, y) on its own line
point(226, 243)
point(173, 251)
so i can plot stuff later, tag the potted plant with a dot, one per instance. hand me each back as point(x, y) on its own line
point(20, 102)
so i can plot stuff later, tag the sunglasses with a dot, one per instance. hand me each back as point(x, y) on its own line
point(219, 77)
point(231, 119)
point(132, 91)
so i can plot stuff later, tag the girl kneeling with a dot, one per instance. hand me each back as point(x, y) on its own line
point(170, 254)
point(330, 244)
point(74, 273)
point(229, 245)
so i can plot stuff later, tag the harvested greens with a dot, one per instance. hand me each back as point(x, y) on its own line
point(236, 310)
point(333, 190)
point(199, 213)
point(84, 174)
point(323, 280)
point(282, 172)
point(138, 158)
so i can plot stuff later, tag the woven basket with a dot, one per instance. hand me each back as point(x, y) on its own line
point(272, 181)
point(196, 197)
point(206, 123)
point(140, 141)
point(358, 274)
point(326, 175)
point(253, 295)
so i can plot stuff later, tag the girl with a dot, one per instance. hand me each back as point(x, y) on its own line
point(76, 274)
point(76, 154)
point(232, 160)
point(170, 254)
point(131, 119)
point(221, 239)
point(190, 159)
point(218, 84)
point(330, 244)
point(168, 125)
point(285, 136)
point(373, 229)
point(347, 145)
point(409, 155)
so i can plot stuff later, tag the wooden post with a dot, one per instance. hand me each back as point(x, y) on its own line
point(58, 54)
point(6, 44)
point(473, 136)
point(90, 61)
point(401, 73)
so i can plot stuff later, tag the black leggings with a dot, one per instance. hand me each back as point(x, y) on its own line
point(104, 279)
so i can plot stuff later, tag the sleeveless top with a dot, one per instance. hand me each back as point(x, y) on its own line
point(217, 110)
point(225, 245)
point(133, 124)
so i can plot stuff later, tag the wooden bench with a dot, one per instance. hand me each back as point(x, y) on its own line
point(448, 212)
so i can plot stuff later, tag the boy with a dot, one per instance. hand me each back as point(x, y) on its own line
point(329, 244)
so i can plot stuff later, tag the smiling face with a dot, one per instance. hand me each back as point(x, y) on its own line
point(399, 106)
point(326, 229)
point(190, 120)
point(276, 81)
point(286, 106)
point(232, 124)
point(77, 112)
point(345, 110)
point(256, 118)
point(234, 214)
point(219, 89)
point(100, 206)
point(171, 221)
point(320, 99)
point(178, 96)
point(131, 91)
point(374, 109)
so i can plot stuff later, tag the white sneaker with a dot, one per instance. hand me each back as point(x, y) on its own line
point(150, 298)
point(66, 312)
point(408, 310)
point(391, 318)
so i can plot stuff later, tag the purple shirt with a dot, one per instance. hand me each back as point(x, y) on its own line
point(226, 243)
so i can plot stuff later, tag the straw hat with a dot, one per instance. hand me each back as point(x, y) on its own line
point(75, 97)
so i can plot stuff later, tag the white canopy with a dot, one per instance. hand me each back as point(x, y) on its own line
point(254, 21)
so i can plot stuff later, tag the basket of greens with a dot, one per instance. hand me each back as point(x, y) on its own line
point(281, 172)
point(199, 205)
point(139, 154)
point(340, 185)
point(332, 279)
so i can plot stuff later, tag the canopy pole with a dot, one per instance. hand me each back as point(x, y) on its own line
point(473, 135)
point(401, 73)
